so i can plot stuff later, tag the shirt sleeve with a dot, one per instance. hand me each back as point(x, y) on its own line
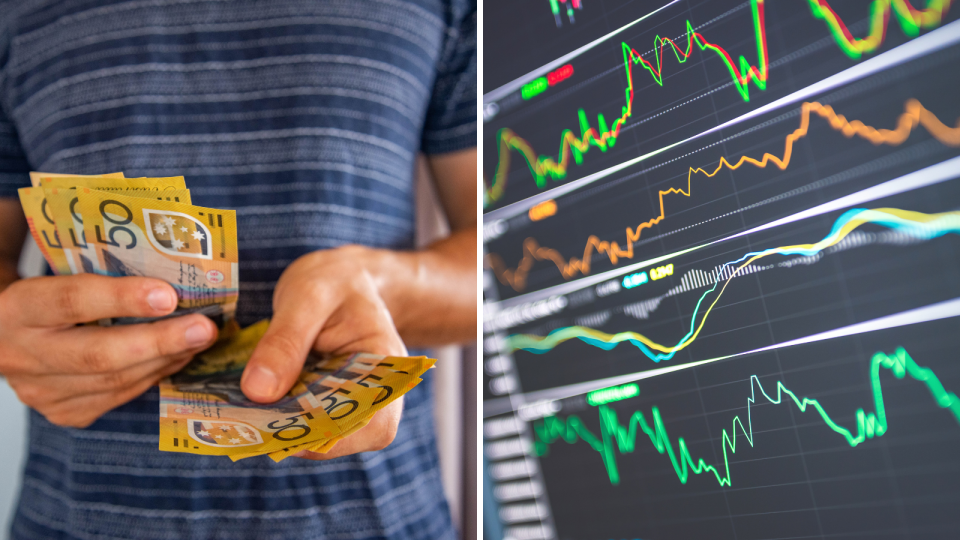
point(451, 122)
point(14, 168)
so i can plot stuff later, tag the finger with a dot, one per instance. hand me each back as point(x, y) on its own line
point(277, 360)
point(48, 390)
point(84, 410)
point(94, 349)
point(66, 300)
point(376, 435)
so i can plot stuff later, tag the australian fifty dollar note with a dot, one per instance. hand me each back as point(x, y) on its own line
point(61, 194)
point(331, 380)
point(203, 410)
point(62, 247)
point(191, 247)
point(332, 398)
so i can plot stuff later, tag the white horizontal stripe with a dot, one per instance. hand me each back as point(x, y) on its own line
point(404, 185)
point(62, 84)
point(112, 436)
point(237, 136)
point(310, 242)
point(323, 207)
point(222, 471)
point(55, 139)
point(57, 47)
point(64, 63)
point(33, 129)
point(399, 203)
point(268, 152)
point(170, 526)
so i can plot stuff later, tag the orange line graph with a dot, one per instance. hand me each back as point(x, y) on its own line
point(914, 114)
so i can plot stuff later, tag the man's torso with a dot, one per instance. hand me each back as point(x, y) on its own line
point(304, 116)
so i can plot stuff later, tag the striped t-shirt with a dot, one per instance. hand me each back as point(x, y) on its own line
point(306, 117)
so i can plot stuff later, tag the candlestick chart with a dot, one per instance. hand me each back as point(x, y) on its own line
point(725, 305)
point(568, 8)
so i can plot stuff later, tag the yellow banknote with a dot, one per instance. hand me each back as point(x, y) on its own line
point(396, 375)
point(394, 386)
point(204, 411)
point(208, 414)
point(369, 369)
point(231, 357)
point(347, 390)
point(344, 402)
point(207, 417)
point(230, 354)
point(62, 204)
point(42, 223)
point(43, 228)
point(61, 197)
point(366, 361)
point(325, 446)
point(36, 176)
point(337, 397)
point(362, 368)
point(191, 247)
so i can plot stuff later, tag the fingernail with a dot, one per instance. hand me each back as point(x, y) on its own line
point(197, 334)
point(161, 299)
point(262, 381)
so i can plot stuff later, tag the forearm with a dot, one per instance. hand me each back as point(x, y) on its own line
point(8, 274)
point(14, 227)
point(431, 293)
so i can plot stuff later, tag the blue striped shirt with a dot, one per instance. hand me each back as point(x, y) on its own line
point(306, 117)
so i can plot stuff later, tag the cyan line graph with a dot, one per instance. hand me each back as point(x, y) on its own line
point(916, 224)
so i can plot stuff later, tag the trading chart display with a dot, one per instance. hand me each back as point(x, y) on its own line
point(721, 269)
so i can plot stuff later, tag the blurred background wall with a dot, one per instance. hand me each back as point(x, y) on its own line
point(455, 381)
point(13, 416)
point(13, 423)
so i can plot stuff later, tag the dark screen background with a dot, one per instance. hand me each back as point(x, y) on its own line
point(799, 478)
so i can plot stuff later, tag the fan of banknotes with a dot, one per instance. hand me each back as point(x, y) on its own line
point(203, 411)
point(116, 226)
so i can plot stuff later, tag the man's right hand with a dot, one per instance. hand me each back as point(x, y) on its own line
point(74, 374)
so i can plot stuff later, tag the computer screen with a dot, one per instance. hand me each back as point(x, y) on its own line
point(721, 269)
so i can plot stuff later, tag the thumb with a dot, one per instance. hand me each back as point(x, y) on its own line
point(277, 360)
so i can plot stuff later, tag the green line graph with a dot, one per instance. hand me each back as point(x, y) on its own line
point(615, 437)
point(910, 19)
